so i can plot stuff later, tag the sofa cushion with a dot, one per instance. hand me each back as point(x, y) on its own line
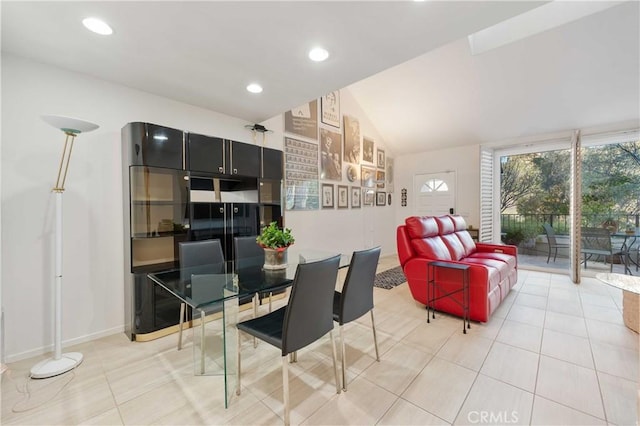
point(458, 223)
point(421, 227)
point(502, 267)
point(506, 258)
point(456, 249)
point(431, 248)
point(467, 242)
point(445, 225)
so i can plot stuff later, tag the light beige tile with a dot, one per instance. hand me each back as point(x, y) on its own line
point(526, 315)
point(512, 365)
point(440, 388)
point(489, 329)
point(397, 368)
point(620, 399)
point(109, 417)
point(603, 300)
point(535, 290)
point(547, 413)
point(405, 413)
point(569, 384)
point(307, 393)
point(258, 414)
point(153, 405)
point(521, 335)
point(133, 380)
point(565, 306)
point(619, 361)
point(531, 300)
point(564, 323)
point(466, 350)
point(430, 337)
point(601, 313)
point(363, 403)
point(502, 311)
point(498, 401)
point(613, 334)
point(395, 324)
point(567, 347)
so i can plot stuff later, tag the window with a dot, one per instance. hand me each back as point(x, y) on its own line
point(434, 185)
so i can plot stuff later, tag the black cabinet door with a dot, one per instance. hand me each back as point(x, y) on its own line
point(153, 145)
point(244, 159)
point(206, 154)
point(208, 221)
point(271, 164)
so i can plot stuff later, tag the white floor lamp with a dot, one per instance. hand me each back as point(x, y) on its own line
point(61, 363)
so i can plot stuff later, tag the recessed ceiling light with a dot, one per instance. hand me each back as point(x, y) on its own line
point(97, 26)
point(254, 88)
point(318, 54)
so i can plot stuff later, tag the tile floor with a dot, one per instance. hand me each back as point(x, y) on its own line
point(553, 353)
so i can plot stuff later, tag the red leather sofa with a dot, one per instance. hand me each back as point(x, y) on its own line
point(493, 267)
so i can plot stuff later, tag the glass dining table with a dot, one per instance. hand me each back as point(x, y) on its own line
point(215, 302)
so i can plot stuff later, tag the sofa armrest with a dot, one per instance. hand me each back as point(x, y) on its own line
point(405, 252)
point(497, 248)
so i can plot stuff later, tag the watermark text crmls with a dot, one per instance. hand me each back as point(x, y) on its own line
point(492, 417)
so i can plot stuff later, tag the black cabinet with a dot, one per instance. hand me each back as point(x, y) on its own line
point(272, 164)
point(222, 156)
point(206, 154)
point(180, 186)
point(152, 145)
point(244, 159)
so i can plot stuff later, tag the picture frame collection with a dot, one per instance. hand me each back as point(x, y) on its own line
point(329, 163)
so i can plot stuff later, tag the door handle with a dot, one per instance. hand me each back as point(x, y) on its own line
point(221, 209)
point(235, 210)
point(220, 169)
point(235, 171)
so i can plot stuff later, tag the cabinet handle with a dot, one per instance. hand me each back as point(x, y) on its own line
point(220, 169)
point(235, 210)
point(235, 171)
point(221, 209)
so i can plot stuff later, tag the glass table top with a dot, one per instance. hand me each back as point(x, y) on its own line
point(204, 285)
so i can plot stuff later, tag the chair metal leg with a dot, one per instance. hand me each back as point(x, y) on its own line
point(182, 309)
point(343, 355)
point(238, 361)
point(549, 255)
point(202, 342)
point(255, 315)
point(555, 255)
point(285, 389)
point(375, 337)
point(270, 303)
point(335, 362)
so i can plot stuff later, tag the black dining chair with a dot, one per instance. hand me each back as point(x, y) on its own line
point(306, 318)
point(356, 298)
point(198, 258)
point(553, 242)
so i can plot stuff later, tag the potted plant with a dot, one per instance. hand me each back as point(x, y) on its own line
point(275, 241)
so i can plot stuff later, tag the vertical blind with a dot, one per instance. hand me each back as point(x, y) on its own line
point(487, 210)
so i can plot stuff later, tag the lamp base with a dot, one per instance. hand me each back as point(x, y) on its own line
point(52, 367)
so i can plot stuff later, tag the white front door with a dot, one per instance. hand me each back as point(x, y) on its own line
point(435, 193)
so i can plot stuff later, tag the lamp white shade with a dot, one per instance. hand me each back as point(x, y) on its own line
point(69, 124)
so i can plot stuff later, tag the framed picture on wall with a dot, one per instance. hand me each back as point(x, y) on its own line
point(381, 198)
point(368, 176)
point(327, 196)
point(390, 174)
point(368, 196)
point(380, 158)
point(330, 106)
point(380, 179)
point(330, 155)
point(355, 197)
point(343, 197)
point(368, 147)
point(303, 120)
point(351, 140)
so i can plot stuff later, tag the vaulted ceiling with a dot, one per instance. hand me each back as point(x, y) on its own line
point(408, 64)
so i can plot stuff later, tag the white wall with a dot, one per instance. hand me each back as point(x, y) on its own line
point(350, 229)
point(93, 241)
point(465, 161)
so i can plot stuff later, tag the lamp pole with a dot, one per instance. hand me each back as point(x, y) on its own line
point(61, 363)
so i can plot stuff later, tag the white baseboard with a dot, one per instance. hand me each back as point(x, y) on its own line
point(65, 344)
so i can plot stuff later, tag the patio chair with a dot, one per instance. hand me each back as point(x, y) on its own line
point(597, 242)
point(553, 242)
